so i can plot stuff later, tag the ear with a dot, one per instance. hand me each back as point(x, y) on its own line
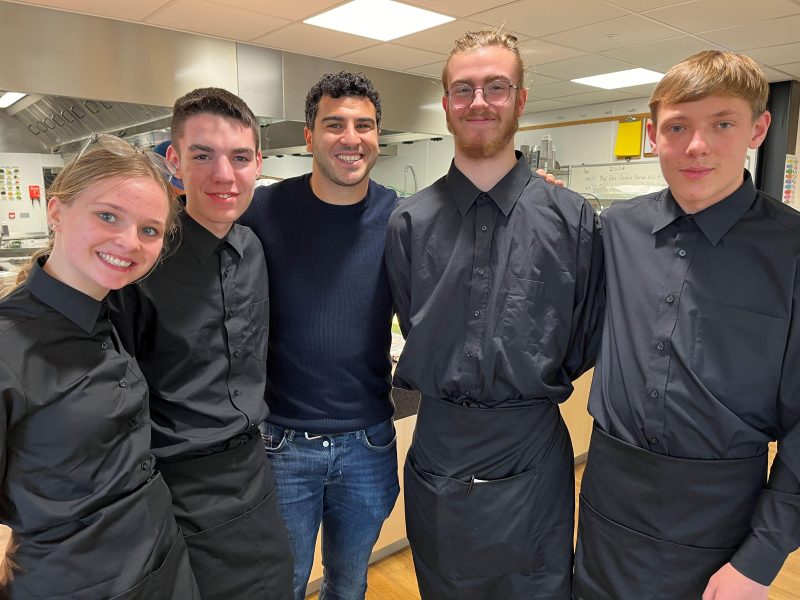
point(174, 161)
point(651, 135)
point(54, 209)
point(307, 133)
point(445, 103)
point(259, 162)
point(760, 128)
point(522, 98)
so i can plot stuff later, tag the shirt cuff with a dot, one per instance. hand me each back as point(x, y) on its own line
point(757, 561)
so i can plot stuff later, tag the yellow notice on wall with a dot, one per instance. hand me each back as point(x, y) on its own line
point(629, 139)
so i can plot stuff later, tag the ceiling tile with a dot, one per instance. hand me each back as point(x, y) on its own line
point(613, 33)
point(532, 79)
point(753, 35)
point(791, 68)
point(596, 97)
point(544, 105)
point(532, 18)
point(584, 66)
point(391, 56)
point(431, 70)
point(776, 55)
point(201, 16)
point(285, 9)
point(564, 88)
point(781, 72)
point(661, 55)
point(537, 52)
point(128, 11)
point(440, 39)
point(642, 5)
point(640, 91)
point(457, 8)
point(316, 41)
point(702, 15)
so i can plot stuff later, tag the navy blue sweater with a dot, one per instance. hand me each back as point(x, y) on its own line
point(329, 369)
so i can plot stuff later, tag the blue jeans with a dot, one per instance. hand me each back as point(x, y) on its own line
point(348, 482)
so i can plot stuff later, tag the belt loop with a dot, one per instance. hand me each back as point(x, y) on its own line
point(311, 436)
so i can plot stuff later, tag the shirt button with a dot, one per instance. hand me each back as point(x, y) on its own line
point(132, 422)
point(325, 443)
point(681, 252)
point(653, 440)
point(229, 312)
point(469, 354)
point(484, 228)
point(236, 392)
point(104, 345)
point(670, 299)
point(480, 271)
point(123, 384)
point(477, 313)
point(654, 394)
point(144, 466)
point(660, 345)
point(235, 354)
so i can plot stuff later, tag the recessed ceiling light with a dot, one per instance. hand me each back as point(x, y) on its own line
point(378, 19)
point(9, 98)
point(621, 79)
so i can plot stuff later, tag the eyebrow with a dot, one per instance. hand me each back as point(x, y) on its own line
point(485, 79)
point(338, 119)
point(210, 150)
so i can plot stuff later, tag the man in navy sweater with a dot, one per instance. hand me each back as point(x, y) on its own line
point(330, 435)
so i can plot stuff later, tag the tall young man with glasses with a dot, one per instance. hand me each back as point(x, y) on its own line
point(198, 328)
point(497, 281)
point(330, 436)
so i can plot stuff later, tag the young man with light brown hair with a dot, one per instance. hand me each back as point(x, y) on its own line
point(697, 371)
point(497, 282)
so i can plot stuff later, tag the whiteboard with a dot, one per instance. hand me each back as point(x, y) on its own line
point(617, 180)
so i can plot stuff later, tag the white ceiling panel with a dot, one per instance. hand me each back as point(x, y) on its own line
point(774, 32)
point(564, 88)
point(596, 97)
point(702, 15)
point(316, 41)
point(776, 55)
point(201, 16)
point(285, 9)
point(642, 5)
point(532, 79)
point(432, 70)
point(537, 52)
point(793, 69)
point(391, 56)
point(584, 66)
point(778, 73)
point(440, 39)
point(613, 33)
point(457, 8)
point(128, 11)
point(545, 105)
point(536, 19)
point(661, 55)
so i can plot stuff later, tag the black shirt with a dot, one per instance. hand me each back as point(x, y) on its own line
point(198, 326)
point(499, 294)
point(701, 353)
point(73, 416)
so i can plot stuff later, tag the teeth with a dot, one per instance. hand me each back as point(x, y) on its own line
point(348, 158)
point(224, 196)
point(115, 261)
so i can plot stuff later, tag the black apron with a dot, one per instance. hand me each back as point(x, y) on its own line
point(227, 508)
point(131, 549)
point(655, 527)
point(489, 498)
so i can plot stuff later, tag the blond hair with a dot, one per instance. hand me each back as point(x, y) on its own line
point(473, 40)
point(713, 73)
point(99, 164)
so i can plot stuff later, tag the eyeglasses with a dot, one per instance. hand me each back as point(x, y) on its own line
point(462, 95)
point(119, 147)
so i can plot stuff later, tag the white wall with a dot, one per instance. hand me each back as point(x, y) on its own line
point(22, 215)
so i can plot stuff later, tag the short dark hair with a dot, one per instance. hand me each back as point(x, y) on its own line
point(338, 85)
point(215, 101)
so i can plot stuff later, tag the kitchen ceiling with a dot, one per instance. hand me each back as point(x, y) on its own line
point(560, 41)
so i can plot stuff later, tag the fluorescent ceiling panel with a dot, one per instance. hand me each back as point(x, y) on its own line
point(378, 19)
point(9, 98)
point(621, 79)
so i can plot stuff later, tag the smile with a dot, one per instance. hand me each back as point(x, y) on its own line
point(114, 261)
point(349, 157)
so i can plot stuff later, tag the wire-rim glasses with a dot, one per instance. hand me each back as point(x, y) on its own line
point(462, 95)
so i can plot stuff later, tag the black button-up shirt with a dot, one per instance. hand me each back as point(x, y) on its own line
point(701, 353)
point(499, 294)
point(198, 327)
point(73, 408)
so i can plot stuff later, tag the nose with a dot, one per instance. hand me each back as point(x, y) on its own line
point(475, 101)
point(128, 237)
point(697, 144)
point(349, 136)
point(223, 170)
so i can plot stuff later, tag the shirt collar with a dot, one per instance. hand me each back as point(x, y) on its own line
point(505, 193)
point(79, 308)
point(203, 243)
point(714, 221)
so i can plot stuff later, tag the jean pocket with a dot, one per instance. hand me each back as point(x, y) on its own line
point(274, 437)
point(381, 436)
point(472, 531)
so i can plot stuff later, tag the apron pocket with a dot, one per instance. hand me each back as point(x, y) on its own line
point(172, 579)
point(613, 562)
point(472, 531)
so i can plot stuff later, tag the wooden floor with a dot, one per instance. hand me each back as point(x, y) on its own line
point(393, 577)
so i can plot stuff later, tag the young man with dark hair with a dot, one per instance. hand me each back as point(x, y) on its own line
point(198, 328)
point(330, 436)
point(497, 281)
point(698, 369)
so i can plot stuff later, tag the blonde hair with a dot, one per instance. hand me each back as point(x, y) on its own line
point(473, 40)
point(713, 73)
point(98, 164)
